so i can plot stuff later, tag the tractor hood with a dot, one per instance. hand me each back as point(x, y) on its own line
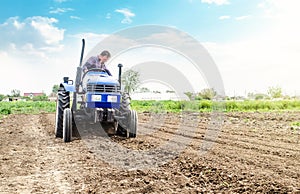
point(99, 78)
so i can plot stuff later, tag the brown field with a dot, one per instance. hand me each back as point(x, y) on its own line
point(254, 152)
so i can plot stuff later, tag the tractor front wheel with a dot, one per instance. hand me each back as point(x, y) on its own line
point(67, 125)
point(63, 102)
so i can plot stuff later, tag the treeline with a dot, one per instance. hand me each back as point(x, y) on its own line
point(274, 92)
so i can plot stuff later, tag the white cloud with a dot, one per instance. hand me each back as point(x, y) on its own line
point(91, 39)
point(255, 65)
point(88, 35)
point(33, 33)
point(75, 17)
point(33, 52)
point(217, 2)
point(280, 8)
point(127, 14)
point(256, 62)
point(224, 17)
point(60, 10)
point(3, 54)
point(51, 34)
point(270, 59)
point(19, 25)
point(261, 5)
point(36, 56)
point(243, 17)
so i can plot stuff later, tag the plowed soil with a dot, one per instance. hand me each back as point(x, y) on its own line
point(253, 152)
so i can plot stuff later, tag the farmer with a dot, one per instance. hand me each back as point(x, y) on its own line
point(97, 62)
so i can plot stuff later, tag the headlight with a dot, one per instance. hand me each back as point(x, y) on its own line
point(96, 98)
point(112, 98)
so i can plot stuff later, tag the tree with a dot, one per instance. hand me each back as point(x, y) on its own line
point(2, 97)
point(190, 95)
point(15, 93)
point(55, 88)
point(260, 96)
point(130, 80)
point(207, 93)
point(275, 92)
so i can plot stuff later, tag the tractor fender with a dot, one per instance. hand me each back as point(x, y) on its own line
point(68, 87)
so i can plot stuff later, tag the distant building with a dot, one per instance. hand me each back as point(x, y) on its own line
point(31, 95)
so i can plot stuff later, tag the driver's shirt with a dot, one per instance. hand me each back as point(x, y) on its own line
point(95, 62)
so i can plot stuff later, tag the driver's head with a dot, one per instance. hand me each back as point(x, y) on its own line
point(104, 56)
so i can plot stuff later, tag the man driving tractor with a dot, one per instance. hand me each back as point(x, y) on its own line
point(98, 62)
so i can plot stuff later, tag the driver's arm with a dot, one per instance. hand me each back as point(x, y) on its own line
point(90, 63)
point(87, 66)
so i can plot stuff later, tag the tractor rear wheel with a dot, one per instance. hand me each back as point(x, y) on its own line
point(125, 104)
point(67, 125)
point(127, 126)
point(63, 102)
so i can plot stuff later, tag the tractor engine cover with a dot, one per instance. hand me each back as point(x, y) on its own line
point(101, 90)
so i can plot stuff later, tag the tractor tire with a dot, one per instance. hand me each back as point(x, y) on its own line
point(125, 104)
point(127, 127)
point(124, 111)
point(67, 125)
point(63, 102)
point(133, 123)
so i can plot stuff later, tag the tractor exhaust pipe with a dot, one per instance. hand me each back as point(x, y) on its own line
point(82, 52)
point(78, 77)
point(120, 74)
point(79, 69)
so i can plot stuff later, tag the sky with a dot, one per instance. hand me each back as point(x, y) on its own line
point(255, 44)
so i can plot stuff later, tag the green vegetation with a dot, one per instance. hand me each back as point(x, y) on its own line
point(275, 92)
point(15, 93)
point(43, 97)
point(34, 107)
point(262, 105)
point(55, 88)
point(130, 80)
point(208, 105)
point(295, 124)
point(2, 97)
point(28, 107)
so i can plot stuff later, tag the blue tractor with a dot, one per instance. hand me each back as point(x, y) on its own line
point(96, 99)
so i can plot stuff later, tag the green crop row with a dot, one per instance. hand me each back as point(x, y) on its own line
point(27, 107)
point(207, 105)
point(163, 106)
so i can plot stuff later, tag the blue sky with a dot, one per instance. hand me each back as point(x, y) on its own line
point(193, 16)
point(256, 41)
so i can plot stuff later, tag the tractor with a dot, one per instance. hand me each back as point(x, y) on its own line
point(97, 98)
